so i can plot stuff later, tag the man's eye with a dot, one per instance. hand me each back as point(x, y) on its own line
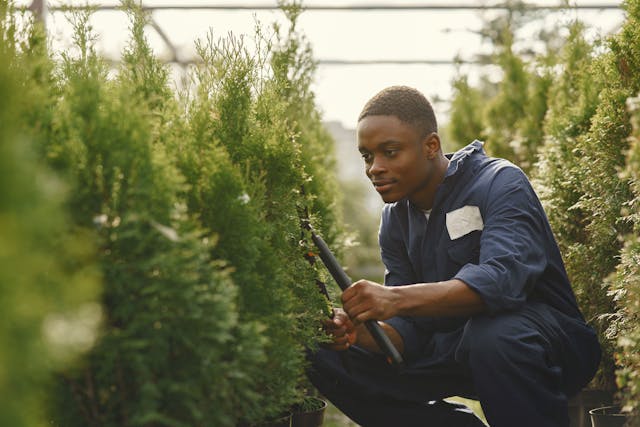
point(390, 153)
point(366, 157)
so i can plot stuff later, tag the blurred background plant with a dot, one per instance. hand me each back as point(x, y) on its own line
point(49, 277)
point(562, 116)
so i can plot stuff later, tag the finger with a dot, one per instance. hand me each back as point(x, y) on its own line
point(349, 326)
point(352, 338)
point(339, 344)
point(340, 317)
point(351, 291)
point(337, 311)
point(357, 310)
point(351, 304)
point(344, 339)
point(340, 332)
point(337, 320)
point(364, 315)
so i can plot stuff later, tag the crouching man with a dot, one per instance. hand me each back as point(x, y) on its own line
point(475, 294)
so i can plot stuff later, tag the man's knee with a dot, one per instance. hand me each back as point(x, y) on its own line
point(490, 340)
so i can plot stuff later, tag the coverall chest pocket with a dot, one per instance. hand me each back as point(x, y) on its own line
point(464, 250)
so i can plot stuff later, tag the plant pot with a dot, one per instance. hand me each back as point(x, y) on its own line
point(583, 402)
point(310, 417)
point(282, 421)
point(608, 416)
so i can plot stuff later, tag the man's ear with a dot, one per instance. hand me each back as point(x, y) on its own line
point(431, 145)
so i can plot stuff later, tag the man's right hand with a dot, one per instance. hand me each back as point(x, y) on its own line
point(341, 329)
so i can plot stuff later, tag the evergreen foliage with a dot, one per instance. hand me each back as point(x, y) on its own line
point(507, 114)
point(625, 284)
point(559, 174)
point(191, 210)
point(48, 276)
point(572, 101)
point(187, 210)
point(564, 122)
point(172, 350)
point(507, 107)
point(529, 136)
point(466, 121)
point(624, 330)
point(245, 173)
point(602, 149)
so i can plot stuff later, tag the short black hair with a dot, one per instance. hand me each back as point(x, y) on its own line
point(407, 104)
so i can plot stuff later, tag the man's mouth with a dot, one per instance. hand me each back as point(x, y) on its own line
point(383, 185)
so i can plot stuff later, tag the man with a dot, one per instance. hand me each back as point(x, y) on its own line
point(476, 297)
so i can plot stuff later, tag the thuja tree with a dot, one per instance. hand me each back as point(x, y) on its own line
point(558, 176)
point(625, 284)
point(467, 107)
point(515, 136)
point(572, 103)
point(581, 118)
point(230, 195)
point(508, 114)
point(317, 198)
point(602, 151)
point(293, 67)
point(507, 107)
point(250, 135)
point(529, 136)
point(47, 274)
point(169, 352)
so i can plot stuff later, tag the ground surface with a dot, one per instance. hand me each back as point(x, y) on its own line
point(334, 418)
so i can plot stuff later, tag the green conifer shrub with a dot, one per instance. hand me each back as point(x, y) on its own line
point(579, 115)
point(507, 107)
point(467, 107)
point(172, 350)
point(603, 150)
point(587, 130)
point(239, 149)
point(514, 116)
point(558, 175)
point(625, 283)
point(232, 200)
point(571, 104)
point(529, 135)
point(48, 277)
point(507, 114)
point(245, 163)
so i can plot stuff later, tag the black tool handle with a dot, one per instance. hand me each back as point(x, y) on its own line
point(341, 278)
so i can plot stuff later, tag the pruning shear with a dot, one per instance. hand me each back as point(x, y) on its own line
point(342, 279)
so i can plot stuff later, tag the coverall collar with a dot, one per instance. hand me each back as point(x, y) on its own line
point(457, 159)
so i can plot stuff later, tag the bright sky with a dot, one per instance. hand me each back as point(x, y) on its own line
point(341, 90)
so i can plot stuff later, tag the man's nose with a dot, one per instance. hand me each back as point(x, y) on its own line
point(377, 166)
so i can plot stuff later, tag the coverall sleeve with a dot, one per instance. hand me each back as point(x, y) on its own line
point(512, 248)
point(398, 271)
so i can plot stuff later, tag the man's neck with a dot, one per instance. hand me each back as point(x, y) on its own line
point(430, 194)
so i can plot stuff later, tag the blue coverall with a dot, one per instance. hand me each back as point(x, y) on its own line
point(523, 358)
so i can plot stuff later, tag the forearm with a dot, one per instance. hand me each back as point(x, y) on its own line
point(366, 300)
point(440, 299)
point(366, 341)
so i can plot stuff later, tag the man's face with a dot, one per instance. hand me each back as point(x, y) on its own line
point(397, 158)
